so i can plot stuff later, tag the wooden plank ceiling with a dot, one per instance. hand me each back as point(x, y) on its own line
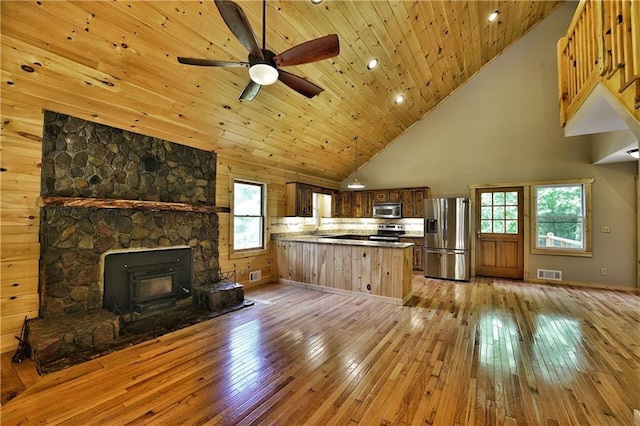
point(115, 62)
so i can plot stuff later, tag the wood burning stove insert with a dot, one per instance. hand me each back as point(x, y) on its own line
point(144, 281)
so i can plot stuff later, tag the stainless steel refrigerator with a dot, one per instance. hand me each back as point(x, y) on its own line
point(447, 238)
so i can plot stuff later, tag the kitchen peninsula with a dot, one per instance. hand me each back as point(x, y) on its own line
point(375, 269)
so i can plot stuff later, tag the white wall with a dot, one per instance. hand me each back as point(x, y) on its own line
point(502, 127)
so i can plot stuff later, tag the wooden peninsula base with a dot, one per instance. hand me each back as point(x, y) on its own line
point(379, 270)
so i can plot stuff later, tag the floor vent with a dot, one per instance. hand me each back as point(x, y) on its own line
point(255, 275)
point(548, 274)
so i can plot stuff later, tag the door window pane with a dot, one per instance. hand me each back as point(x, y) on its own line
point(499, 212)
point(511, 198)
point(511, 212)
point(485, 213)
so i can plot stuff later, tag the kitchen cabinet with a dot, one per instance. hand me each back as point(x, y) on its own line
point(413, 201)
point(363, 204)
point(406, 197)
point(380, 271)
point(394, 195)
point(387, 195)
point(380, 196)
point(419, 194)
point(354, 204)
point(299, 200)
point(417, 262)
point(342, 204)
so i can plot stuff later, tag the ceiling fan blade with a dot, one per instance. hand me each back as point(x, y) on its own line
point(299, 84)
point(250, 91)
point(211, 62)
point(238, 23)
point(310, 51)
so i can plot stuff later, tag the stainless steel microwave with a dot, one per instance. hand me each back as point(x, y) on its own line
point(387, 210)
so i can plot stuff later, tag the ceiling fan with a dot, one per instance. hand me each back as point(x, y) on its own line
point(263, 64)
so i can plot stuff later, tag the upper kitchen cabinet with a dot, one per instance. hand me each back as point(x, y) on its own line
point(387, 195)
point(359, 204)
point(412, 201)
point(299, 200)
point(363, 204)
point(342, 205)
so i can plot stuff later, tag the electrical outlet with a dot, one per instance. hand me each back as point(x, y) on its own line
point(605, 229)
point(603, 271)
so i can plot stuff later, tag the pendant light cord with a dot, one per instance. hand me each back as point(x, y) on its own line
point(264, 25)
point(355, 138)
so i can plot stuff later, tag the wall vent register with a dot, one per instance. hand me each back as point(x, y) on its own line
point(548, 274)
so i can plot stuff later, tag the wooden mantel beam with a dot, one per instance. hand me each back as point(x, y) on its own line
point(106, 203)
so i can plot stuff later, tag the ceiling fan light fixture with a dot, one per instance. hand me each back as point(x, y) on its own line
point(634, 153)
point(263, 74)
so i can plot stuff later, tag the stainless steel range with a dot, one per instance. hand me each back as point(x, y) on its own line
point(390, 232)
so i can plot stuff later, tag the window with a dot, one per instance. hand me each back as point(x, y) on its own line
point(562, 218)
point(248, 215)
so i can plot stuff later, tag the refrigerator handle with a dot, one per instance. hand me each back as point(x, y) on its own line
point(445, 223)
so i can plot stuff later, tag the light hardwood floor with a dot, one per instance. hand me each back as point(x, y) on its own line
point(487, 352)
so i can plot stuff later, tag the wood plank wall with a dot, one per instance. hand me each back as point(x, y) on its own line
point(21, 150)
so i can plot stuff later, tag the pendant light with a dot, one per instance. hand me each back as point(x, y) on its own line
point(355, 184)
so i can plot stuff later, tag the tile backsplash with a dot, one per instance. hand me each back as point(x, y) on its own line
point(296, 225)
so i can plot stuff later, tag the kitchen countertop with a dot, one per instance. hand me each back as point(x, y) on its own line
point(339, 241)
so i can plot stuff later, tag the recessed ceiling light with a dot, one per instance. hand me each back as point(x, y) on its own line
point(373, 62)
point(399, 99)
point(316, 1)
point(494, 15)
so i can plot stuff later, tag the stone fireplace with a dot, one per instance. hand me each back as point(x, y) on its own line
point(132, 210)
point(76, 241)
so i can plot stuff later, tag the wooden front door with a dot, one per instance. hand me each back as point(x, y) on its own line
point(499, 232)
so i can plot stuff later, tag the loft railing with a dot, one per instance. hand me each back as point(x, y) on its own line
point(602, 45)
